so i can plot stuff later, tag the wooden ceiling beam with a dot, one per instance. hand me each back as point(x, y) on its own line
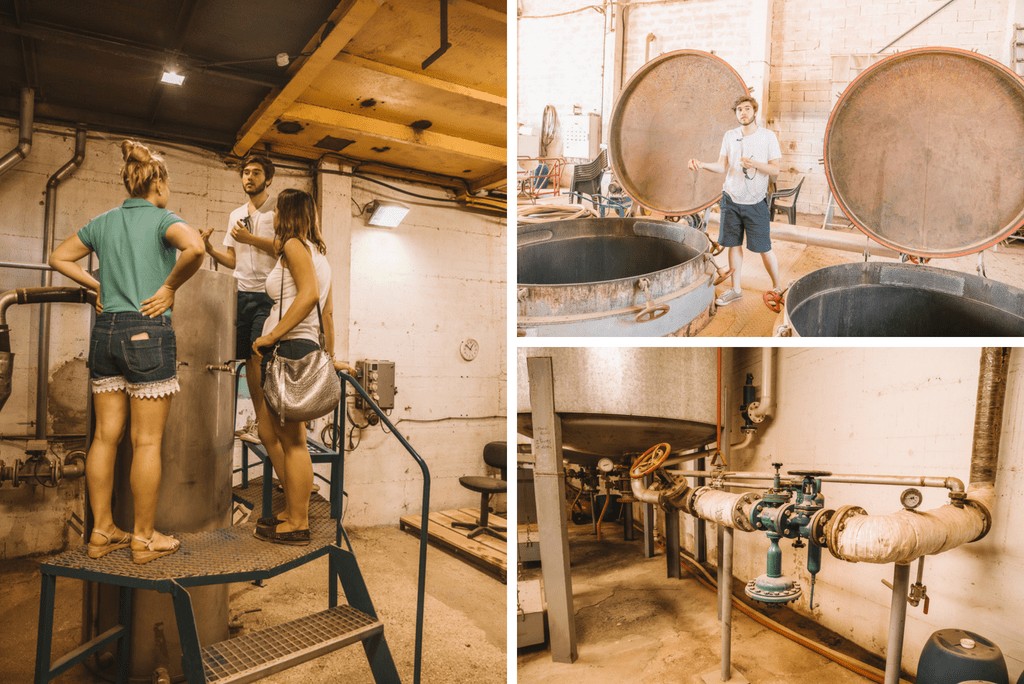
point(421, 78)
point(490, 181)
point(348, 19)
point(394, 132)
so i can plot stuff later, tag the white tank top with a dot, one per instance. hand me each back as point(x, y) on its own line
point(309, 328)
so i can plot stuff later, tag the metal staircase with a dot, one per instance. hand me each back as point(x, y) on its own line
point(232, 554)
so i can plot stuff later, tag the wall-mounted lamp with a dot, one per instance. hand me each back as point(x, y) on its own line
point(172, 77)
point(385, 213)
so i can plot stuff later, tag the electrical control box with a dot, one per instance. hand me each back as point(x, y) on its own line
point(378, 379)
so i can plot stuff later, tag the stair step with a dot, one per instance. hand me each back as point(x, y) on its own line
point(258, 654)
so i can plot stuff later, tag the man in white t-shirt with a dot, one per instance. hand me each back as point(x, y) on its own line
point(749, 156)
point(249, 250)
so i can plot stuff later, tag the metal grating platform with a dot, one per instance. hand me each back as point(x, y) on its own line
point(276, 648)
point(211, 557)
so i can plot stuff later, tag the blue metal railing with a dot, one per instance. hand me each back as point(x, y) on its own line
point(339, 422)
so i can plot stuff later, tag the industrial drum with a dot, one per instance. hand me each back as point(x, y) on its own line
point(952, 656)
point(917, 155)
point(631, 276)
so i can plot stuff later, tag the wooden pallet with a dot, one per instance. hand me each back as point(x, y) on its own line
point(484, 551)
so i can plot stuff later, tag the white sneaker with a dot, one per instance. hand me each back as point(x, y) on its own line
point(249, 433)
point(728, 297)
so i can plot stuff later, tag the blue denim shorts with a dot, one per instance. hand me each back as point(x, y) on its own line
point(141, 367)
point(252, 312)
point(752, 219)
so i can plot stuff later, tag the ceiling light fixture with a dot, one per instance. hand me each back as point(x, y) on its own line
point(385, 213)
point(172, 77)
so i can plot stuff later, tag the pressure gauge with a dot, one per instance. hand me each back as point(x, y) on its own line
point(606, 465)
point(469, 348)
point(911, 498)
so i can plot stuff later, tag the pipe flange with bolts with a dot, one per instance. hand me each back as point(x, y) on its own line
point(740, 519)
point(678, 496)
point(837, 524)
point(817, 526)
point(755, 415)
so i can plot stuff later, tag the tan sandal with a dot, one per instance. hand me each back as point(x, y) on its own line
point(149, 553)
point(118, 539)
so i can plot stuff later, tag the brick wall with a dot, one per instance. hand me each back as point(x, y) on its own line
point(806, 36)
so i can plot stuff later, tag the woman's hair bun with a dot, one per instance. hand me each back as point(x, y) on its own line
point(134, 151)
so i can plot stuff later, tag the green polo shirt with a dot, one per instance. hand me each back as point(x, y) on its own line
point(135, 257)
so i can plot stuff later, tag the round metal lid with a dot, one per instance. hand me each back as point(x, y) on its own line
point(675, 108)
point(923, 152)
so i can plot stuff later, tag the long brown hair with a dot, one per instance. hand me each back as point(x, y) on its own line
point(295, 217)
point(141, 168)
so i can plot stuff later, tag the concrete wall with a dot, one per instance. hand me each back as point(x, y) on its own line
point(891, 411)
point(561, 57)
point(409, 295)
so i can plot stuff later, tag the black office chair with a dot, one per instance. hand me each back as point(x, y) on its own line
point(788, 206)
point(586, 178)
point(494, 456)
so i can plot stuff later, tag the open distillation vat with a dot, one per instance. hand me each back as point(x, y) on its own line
point(195, 488)
point(631, 276)
point(923, 155)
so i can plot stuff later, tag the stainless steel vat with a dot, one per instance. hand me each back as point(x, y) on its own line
point(614, 276)
point(195, 488)
point(616, 401)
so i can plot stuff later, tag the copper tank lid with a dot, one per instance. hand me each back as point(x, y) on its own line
point(676, 107)
point(924, 152)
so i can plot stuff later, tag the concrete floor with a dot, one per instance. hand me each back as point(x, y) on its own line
point(635, 625)
point(464, 628)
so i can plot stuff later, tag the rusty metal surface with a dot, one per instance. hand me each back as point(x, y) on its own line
point(599, 435)
point(878, 299)
point(676, 107)
point(923, 152)
point(593, 265)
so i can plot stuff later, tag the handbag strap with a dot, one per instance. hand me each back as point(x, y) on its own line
point(319, 314)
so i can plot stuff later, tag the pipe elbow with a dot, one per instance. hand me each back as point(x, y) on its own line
point(643, 494)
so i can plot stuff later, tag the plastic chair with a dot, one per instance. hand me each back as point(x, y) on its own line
point(586, 177)
point(788, 205)
point(494, 456)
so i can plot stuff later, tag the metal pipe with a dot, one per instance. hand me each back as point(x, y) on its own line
point(951, 483)
point(743, 443)
point(24, 146)
point(725, 598)
point(897, 622)
point(988, 417)
point(830, 239)
point(765, 408)
point(46, 279)
point(27, 266)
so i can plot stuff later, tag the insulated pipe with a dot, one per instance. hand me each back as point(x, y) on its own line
point(830, 239)
point(24, 146)
point(904, 536)
point(765, 408)
point(46, 278)
point(988, 417)
point(727, 509)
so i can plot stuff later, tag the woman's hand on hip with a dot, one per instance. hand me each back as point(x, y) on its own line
point(160, 302)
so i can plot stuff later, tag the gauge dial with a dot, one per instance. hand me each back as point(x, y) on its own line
point(911, 498)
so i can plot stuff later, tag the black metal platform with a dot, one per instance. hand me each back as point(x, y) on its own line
point(220, 556)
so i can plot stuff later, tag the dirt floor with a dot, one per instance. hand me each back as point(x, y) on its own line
point(464, 629)
point(634, 624)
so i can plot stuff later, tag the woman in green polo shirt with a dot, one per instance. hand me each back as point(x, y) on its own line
point(132, 348)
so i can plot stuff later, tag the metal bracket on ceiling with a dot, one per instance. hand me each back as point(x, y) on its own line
point(444, 38)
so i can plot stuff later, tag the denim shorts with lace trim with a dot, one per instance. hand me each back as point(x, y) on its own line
point(144, 367)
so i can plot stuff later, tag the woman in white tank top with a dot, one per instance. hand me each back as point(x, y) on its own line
point(301, 278)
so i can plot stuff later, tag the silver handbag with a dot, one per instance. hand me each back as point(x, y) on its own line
point(302, 389)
